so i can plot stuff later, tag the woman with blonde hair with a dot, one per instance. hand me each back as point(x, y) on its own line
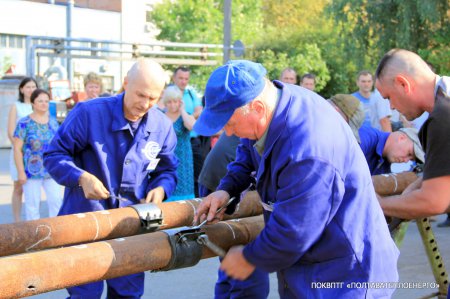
point(182, 124)
point(93, 86)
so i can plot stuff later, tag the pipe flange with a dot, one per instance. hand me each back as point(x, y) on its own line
point(186, 250)
point(150, 215)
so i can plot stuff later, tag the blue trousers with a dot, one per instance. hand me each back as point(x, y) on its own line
point(256, 286)
point(129, 286)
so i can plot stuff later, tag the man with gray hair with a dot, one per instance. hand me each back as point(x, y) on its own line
point(115, 152)
point(413, 88)
point(288, 75)
point(322, 219)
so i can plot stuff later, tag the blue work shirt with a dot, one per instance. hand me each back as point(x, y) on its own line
point(326, 224)
point(191, 101)
point(372, 145)
point(98, 139)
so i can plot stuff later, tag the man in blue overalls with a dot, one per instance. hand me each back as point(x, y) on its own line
point(116, 147)
point(325, 234)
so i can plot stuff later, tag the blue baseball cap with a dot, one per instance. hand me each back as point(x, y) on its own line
point(229, 87)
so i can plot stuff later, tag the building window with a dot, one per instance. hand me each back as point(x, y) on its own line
point(3, 41)
point(12, 41)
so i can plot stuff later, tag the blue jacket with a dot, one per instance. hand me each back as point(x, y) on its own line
point(372, 145)
point(326, 224)
point(97, 138)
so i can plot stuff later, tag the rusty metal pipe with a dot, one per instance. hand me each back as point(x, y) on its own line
point(393, 183)
point(102, 225)
point(95, 226)
point(43, 271)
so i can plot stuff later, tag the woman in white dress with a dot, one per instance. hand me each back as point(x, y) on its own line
point(20, 109)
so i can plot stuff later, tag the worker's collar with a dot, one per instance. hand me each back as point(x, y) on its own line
point(260, 144)
point(120, 123)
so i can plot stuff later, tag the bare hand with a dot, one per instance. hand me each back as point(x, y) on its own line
point(155, 195)
point(413, 186)
point(182, 105)
point(210, 205)
point(235, 265)
point(22, 178)
point(92, 187)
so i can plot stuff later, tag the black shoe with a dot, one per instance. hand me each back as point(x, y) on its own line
point(446, 223)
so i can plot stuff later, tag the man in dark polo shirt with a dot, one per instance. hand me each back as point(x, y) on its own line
point(413, 88)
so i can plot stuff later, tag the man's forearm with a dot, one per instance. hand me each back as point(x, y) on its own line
point(385, 124)
point(409, 206)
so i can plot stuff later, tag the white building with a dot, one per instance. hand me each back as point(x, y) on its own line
point(114, 20)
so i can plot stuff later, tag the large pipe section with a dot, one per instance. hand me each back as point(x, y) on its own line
point(101, 225)
point(393, 183)
point(95, 226)
point(43, 271)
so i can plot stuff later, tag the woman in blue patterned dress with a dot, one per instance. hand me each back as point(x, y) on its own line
point(21, 108)
point(182, 123)
point(32, 136)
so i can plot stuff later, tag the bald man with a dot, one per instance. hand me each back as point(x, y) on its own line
point(413, 88)
point(114, 152)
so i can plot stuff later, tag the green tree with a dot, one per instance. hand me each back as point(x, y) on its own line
point(201, 21)
point(308, 59)
point(332, 38)
point(300, 31)
point(193, 21)
point(368, 29)
point(5, 64)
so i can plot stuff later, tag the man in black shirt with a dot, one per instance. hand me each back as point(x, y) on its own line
point(413, 88)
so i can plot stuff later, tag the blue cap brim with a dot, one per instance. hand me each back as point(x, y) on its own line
point(209, 123)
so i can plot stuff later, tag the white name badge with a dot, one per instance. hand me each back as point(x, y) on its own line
point(152, 164)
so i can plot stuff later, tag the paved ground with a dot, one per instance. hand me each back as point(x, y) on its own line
point(198, 282)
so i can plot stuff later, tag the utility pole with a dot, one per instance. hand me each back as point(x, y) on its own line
point(226, 30)
point(69, 10)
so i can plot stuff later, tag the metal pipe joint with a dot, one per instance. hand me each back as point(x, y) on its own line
point(150, 215)
point(186, 249)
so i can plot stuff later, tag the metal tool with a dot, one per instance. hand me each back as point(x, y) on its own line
point(118, 198)
point(203, 239)
point(220, 209)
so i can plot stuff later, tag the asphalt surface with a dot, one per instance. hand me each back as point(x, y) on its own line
point(198, 281)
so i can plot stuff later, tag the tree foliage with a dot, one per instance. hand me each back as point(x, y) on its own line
point(5, 64)
point(370, 28)
point(307, 60)
point(334, 39)
point(299, 31)
point(201, 21)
